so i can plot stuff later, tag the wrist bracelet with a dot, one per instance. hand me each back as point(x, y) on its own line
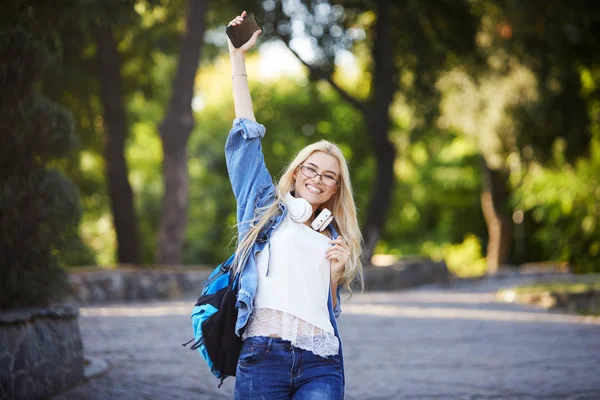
point(239, 75)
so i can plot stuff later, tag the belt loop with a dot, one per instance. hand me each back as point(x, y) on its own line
point(270, 344)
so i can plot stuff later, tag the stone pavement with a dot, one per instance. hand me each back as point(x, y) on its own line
point(435, 342)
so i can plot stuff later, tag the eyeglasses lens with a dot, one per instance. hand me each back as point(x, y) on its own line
point(311, 173)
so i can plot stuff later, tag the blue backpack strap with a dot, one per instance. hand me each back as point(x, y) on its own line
point(229, 261)
point(227, 266)
point(223, 268)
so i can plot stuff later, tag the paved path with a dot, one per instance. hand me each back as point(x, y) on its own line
point(435, 342)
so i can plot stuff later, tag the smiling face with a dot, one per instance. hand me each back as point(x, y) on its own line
point(313, 189)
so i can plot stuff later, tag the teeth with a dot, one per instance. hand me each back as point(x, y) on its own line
point(313, 189)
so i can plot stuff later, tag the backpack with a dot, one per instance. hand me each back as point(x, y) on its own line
point(213, 321)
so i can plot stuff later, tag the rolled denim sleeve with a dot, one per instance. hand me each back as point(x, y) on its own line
point(249, 129)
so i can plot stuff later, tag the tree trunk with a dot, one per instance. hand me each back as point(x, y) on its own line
point(494, 200)
point(119, 190)
point(380, 201)
point(175, 130)
point(378, 123)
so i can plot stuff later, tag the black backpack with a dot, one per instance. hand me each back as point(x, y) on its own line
point(213, 320)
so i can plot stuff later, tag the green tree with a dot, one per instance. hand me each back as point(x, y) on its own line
point(175, 130)
point(113, 51)
point(39, 207)
point(559, 43)
point(295, 114)
point(479, 105)
point(530, 96)
point(89, 82)
point(109, 64)
point(562, 201)
point(407, 45)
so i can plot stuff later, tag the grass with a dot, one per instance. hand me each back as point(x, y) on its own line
point(578, 286)
point(538, 293)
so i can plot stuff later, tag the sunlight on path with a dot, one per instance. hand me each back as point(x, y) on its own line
point(462, 313)
point(381, 310)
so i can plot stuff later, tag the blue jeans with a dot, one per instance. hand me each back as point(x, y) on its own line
point(271, 368)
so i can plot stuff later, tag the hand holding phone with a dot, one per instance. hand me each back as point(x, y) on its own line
point(242, 29)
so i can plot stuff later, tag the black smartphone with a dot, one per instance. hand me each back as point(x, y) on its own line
point(241, 33)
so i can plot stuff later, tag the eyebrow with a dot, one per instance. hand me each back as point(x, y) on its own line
point(316, 166)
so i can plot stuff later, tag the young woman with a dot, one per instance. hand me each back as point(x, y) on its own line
point(288, 270)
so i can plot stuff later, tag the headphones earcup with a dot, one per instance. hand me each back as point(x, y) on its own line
point(326, 223)
point(299, 209)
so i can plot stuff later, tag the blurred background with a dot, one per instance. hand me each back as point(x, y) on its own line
point(472, 131)
point(472, 128)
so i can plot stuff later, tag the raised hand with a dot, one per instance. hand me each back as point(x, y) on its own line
point(249, 44)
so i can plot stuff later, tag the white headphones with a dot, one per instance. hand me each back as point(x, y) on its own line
point(300, 211)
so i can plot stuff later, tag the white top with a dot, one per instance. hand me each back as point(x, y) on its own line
point(293, 288)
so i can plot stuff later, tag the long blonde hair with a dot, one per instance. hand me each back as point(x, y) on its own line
point(341, 203)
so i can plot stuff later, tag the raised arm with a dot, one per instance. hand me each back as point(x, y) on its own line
point(241, 93)
point(243, 151)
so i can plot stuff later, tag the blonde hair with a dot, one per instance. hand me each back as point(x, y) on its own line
point(341, 204)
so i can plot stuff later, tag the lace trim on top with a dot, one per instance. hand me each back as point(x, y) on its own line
point(304, 335)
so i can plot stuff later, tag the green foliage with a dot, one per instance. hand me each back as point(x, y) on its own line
point(440, 181)
point(39, 207)
point(540, 83)
point(436, 203)
point(564, 203)
point(148, 33)
point(210, 234)
point(464, 259)
point(555, 41)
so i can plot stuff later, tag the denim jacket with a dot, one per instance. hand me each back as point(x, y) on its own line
point(253, 187)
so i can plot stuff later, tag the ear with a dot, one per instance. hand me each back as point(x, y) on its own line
point(296, 171)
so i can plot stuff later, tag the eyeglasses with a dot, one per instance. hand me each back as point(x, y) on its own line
point(327, 179)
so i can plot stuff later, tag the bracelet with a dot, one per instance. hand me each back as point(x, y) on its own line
point(239, 75)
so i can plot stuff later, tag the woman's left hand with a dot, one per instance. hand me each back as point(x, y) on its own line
point(249, 44)
point(338, 254)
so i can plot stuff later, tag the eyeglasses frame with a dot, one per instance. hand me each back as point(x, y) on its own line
point(301, 166)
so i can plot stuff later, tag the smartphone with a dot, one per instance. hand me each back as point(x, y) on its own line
point(240, 34)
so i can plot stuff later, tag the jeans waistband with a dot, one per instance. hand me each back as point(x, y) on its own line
point(270, 342)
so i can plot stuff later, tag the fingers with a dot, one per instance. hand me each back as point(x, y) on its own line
point(252, 41)
point(237, 20)
point(340, 241)
point(255, 35)
point(338, 253)
point(340, 248)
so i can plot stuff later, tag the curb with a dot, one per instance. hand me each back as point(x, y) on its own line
point(94, 367)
